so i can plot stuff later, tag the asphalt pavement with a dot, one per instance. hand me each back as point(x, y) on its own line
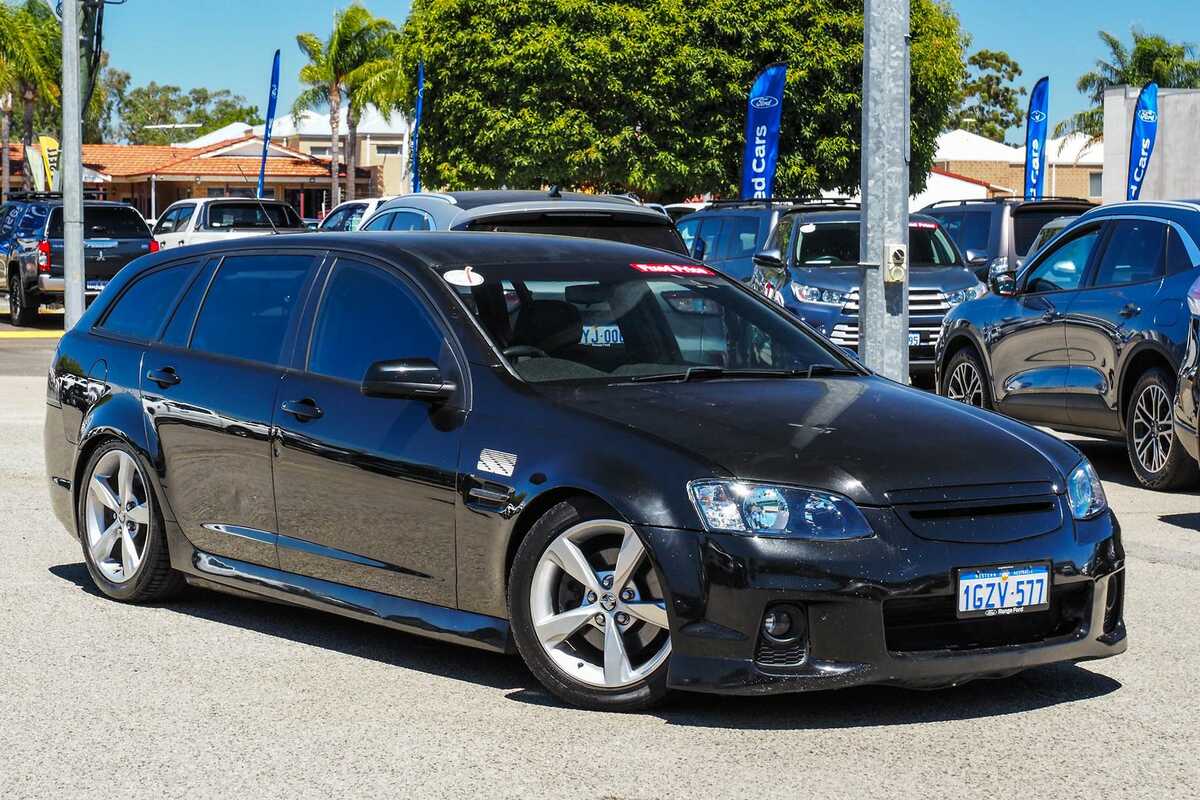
point(216, 696)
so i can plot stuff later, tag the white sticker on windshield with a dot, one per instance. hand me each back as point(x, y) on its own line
point(807, 227)
point(463, 277)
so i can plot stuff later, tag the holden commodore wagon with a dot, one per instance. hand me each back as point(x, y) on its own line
point(634, 472)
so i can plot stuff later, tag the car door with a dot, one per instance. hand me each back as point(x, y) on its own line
point(209, 386)
point(1110, 316)
point(1026, 343)
point(366, 486)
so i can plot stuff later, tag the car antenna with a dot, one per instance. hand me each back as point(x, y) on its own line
point(261, 206)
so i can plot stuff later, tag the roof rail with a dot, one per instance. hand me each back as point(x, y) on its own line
point(1003, 197)
point(793, 201)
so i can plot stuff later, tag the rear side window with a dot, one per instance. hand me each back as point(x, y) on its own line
point(976, 230)
point(250, 305)
point(1178, 259)
point(104, 222)
point(742, 236)
point(368, 314)
point(409, 221)
point(379, 223)
point(141, 309)
point(1133, 253)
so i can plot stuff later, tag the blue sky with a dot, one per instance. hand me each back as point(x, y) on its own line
point(228, 44)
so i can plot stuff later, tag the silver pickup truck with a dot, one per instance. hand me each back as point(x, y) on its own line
point(213, 219)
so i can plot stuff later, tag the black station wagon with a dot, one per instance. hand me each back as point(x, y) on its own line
point(633, 471)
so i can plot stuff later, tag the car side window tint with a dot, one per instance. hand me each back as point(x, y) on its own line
point(1062, 268)
point(1178, 259)
point(249, 306)
point(709, 234)
point(742, 237)
point(141, 309)
point(976, 230)
point(1133, 253)
point(380, 222)
point(369, 314)
point(687, 231)
point(179, 328)
point(409, 221)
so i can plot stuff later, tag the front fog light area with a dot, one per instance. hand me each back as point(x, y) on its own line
point(783, 637)
point(759, 509)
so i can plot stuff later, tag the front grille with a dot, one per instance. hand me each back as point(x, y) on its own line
point(846, 334)
point(996, 514)
point(915, 624)
point(920, 301)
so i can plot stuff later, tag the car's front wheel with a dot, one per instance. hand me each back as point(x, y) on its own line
point(964, 380)
point(588, 609)
point(1158, 458)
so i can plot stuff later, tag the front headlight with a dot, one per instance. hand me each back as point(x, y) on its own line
point(815, 294)
point(1085, 494)
point(963, 295)
point(762, 509)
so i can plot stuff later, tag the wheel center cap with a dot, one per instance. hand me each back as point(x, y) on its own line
point(607, 601)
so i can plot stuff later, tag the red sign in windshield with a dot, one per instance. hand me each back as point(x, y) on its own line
point(672, 269)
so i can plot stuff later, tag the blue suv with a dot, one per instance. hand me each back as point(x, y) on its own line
point(810, 266)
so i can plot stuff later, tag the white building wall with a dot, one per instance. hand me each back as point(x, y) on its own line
point(1174, 171)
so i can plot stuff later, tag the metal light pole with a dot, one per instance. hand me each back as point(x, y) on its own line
point(883, 236)
point(70, 162)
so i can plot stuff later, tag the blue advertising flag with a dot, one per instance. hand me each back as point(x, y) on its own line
point(416, 133)
point(763, 113)
point(1141, 141)
point(1035, 139)
point(262, 167)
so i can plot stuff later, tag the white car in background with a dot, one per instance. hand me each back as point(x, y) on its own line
point(348, 216)
point(212, 219)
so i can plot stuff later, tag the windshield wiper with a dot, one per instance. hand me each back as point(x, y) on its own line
point(709, 372)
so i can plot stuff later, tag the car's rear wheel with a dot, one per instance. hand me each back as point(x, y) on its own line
point(588, 609)
point(964, 380)
point(22, 313)
point(121, 529)
point(1158, 458)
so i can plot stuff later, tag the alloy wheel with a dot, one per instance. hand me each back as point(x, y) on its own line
point(1153, 428)
point(117, 516)
point(965, 385)
point(597, 605)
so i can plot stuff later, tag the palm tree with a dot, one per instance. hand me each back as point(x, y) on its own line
point(28, 66)
point(357, 38)
point(1152, 58)
point(382, 82)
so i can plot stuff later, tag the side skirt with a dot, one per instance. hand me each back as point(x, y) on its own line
point(410, 616)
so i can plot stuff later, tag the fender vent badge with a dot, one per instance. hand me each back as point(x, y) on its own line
point(497, 463)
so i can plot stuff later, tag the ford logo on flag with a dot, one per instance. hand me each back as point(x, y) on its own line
point(1146, 115)
point(1037, 115)
point(764, 102)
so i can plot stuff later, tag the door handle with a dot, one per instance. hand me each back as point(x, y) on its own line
point(1130, 310)
point(303, 410)
point(164, 377)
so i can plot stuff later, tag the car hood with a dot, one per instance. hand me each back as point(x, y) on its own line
point(859, 436)
point(946, 279)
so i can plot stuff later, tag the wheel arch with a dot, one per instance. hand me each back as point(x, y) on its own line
point(535, 509)
point(1144, 358)
point(956, 341)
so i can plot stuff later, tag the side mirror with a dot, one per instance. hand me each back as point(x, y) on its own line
point(409, 379)
point(977, 258)
point(769, 259)
point(1004, 284)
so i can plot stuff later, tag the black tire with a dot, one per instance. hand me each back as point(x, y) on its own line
point(646, 693)
point(154, 580)
point(966, 359)
point(1177, 470)
point(22, 309)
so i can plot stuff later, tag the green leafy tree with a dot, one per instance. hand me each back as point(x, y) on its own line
point(650, 96)
point(358, 38)
point(1152, 58)
point(101, 119)
point(29, 68)
point(991, 104)
point(158, 104)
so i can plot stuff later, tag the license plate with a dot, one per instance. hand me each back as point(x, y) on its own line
point(95, 285)
point(1000, 591)
point(914, 340)
point(601, 336)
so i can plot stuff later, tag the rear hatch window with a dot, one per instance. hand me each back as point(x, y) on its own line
point(1028, 222)
point(661, 236)
point(104, 222)
point(243, 214)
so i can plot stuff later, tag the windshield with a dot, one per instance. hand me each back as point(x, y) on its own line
point(615, 322)
point(249, 214)
point(835, 244)
point(661, 236)
point(104, 222)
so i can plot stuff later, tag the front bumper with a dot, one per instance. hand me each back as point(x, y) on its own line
point(843, 330)
point(878, 610)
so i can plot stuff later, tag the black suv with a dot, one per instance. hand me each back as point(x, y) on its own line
point(31, 244)
point(1090, 337)
point(997, 234)
point(727, 233)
